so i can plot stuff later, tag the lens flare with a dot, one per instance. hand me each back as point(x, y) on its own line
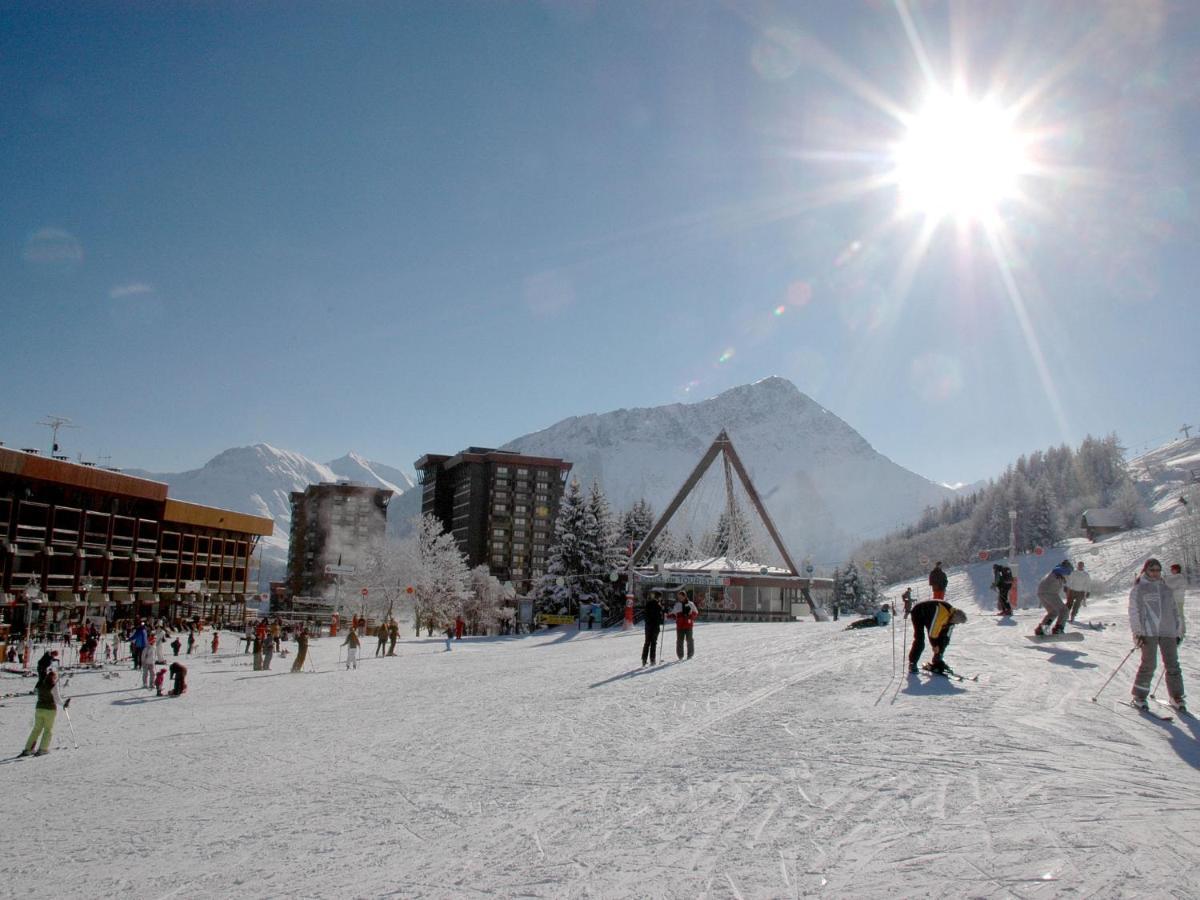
point(725, 357)
point(780, 310)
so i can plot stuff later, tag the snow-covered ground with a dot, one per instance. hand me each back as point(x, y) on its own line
point(783, 761)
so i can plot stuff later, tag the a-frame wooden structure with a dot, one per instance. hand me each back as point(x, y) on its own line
point(722, 444)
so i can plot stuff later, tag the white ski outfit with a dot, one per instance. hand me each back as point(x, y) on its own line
point(1157, 626)
point(1177, 582)
point(1079, 587)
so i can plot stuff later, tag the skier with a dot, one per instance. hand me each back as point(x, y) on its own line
point(257, 643)
point(1050, 594)
point(301, 650)
point(1178, 584)
point(276, 633)
point(381, 646)
point(1079, 588)
point(175, 645)
point(1002, 579)
point(653, 622)
point(44, 713)
point(882, 617)
point(938, 618)
point(938, 581)
point(178, 679)
point(351, 644)
point(908, 601)
point(137, 643)
point(268, 651)
point(216, 641)
point(393, 633)
point(685, 613)
point(1157, 628)
point(159, 677)
point(191, 640)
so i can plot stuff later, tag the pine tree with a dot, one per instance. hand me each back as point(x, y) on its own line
point(607, 556)
point(572, 556)
point(1043, 530)
point(636, 524)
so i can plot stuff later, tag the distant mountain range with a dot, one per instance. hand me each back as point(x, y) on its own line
point(824, 485)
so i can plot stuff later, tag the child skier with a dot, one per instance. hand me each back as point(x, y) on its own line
point(159, 677)
point(351, 644)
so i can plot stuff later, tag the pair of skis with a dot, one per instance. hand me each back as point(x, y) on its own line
point(947, 672)
point(1149, 709)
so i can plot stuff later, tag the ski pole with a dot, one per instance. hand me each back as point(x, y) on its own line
point(1114, 674)
point(71, 725)
point(1158, 684)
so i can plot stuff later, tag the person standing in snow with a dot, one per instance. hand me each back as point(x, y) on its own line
point(351, 644)
point(216, 641)
point(301, 650)
point(1079, 588)
point(393, 633)
point(148, 663)
point(685, 613)
point(882, 617)
point(1002, 580)
point(175, 645)
point(44, 713)
point(938, 581)
point(1157, 629)
point(49, 658)
point(381, 646)
point(938, 618)
point(908, 601)
point(137, 644)
point(191, 640)
point(653, 623)
point(1178, 584)
point(1050, 595)
point(268, 651)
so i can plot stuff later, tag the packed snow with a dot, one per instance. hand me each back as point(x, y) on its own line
point(785, 760)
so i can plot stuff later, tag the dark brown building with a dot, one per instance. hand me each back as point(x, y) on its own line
point(499, 505)
point(332, 524)
point(95, 540)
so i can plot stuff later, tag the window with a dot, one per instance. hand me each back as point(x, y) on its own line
point(520, 509)
point(522, 471)
point(498, 532)
point(517, 548)
point(501, 470)
point(518, 521)
point(500, 508)
point(497, 545)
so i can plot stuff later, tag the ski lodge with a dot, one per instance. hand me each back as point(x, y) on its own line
point(731, 590)
point(78, 540)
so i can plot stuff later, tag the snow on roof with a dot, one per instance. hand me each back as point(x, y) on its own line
point(723, 564)
point(1102, 517)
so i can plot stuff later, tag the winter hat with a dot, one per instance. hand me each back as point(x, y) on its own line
point(1063, 569)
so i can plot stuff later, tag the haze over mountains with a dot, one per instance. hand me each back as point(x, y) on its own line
point(824, 485)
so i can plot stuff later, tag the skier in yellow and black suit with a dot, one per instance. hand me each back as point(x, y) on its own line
point(938, 618)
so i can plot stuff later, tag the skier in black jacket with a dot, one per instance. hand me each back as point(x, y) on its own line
point(938, 581)
point(938, 618)
point(1003, 579)
point(653, 623)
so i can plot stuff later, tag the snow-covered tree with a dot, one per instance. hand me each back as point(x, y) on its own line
point(1129, 505)
point(732, 537)
point(438, 574)
point(608, 556)
point(486, 597)
point(385, 573)
point(636, 524)
point(1042, 529)
point(572, 556)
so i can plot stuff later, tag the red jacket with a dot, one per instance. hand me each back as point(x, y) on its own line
point(684, 615)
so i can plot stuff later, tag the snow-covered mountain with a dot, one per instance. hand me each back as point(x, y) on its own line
point(823, 484)
point(258, 479)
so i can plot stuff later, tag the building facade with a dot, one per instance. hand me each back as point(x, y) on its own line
point(333, 524)
point(92, 541)
point(499, 505)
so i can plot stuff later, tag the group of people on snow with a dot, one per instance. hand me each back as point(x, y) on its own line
point(684, 613)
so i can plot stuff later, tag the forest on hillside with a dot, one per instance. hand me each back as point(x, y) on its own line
point(1049, 490)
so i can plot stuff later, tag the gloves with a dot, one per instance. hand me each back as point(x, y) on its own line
point(1141, 640)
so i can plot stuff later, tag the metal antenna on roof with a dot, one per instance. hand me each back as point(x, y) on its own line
point(54, 423)
point(1186, 429)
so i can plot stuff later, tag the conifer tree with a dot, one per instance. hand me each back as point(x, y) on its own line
point(572, 556)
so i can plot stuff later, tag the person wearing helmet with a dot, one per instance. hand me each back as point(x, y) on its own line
point(1050, 595)
point(938, 618)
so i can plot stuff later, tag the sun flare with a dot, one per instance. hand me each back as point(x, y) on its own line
point(960, 158)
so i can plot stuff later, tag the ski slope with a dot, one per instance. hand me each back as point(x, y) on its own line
point(783, 761)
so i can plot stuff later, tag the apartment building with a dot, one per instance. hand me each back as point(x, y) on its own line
point(499, 505)
point(333, 524)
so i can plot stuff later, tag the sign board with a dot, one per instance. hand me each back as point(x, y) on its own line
point(193, 587)
point(339, 570)
point(545, 619)
point(364, 592)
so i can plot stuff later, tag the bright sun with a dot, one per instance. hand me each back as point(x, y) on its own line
point(960, 158)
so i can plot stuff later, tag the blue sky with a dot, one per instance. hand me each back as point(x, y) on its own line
point(402, 228)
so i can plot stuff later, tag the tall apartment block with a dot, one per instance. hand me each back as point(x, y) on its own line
point(332, 524)
point(499, 505)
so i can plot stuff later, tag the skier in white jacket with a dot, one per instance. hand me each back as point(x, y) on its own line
point(1079, 588)
point(1157, 627)
point(1177, 582)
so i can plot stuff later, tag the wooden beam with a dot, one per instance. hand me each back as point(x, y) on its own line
point(677, 501)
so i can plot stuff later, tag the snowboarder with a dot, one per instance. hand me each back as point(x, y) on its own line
point(178, 679)
point(653, 622)
point(685, 613)
point(301, 650)
point(351, 644)
point(1050, 595)
point(44, 713)
point(938, 618)
point(938, 581)
point(1079, 588)
point(1158, 629)
point(1002, 580)
point(882, 617)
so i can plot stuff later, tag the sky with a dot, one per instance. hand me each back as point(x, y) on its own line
point(966, 229)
